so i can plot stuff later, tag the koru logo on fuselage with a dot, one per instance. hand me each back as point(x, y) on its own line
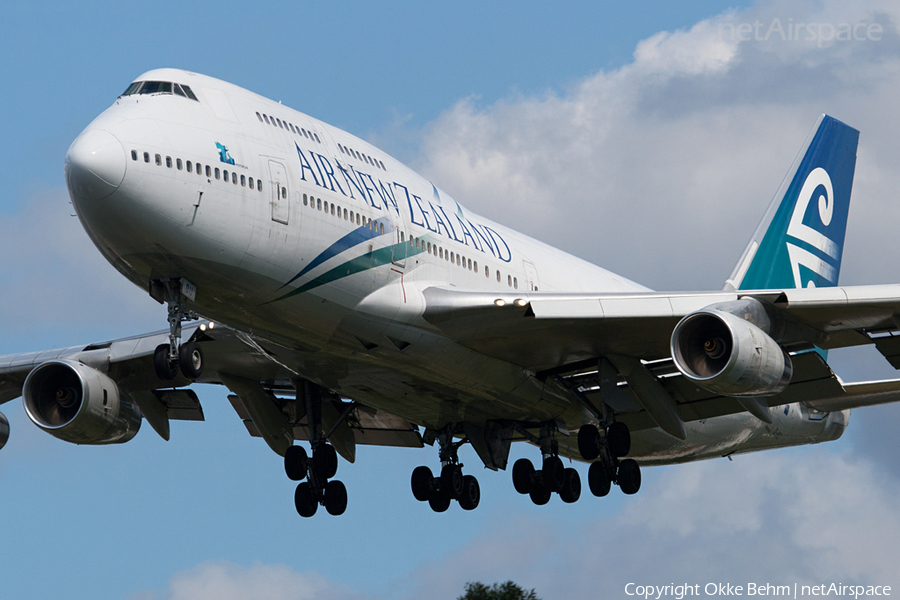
point(223, 154)
point(804, 233)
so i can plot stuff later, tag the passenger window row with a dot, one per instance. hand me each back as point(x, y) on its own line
point(276, 122)
point(200, 169)
point(342, 213)
point(447, 255)
point(462, 261)
point(359, 155)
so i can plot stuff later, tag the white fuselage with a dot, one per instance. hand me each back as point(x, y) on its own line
point(302, 234)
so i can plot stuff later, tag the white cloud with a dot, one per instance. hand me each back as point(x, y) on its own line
point(701, 50)
point(228, 581)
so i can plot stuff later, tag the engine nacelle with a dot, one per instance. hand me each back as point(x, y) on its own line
point(4, 430)
point(79, 404)
point(730, 355)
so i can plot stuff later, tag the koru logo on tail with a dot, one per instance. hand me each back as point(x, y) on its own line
point(804, 233)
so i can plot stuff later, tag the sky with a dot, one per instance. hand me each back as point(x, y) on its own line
point(647, 136)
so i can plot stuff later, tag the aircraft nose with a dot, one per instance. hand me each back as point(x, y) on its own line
point(95, 165)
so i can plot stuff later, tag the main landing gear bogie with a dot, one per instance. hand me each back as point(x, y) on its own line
point(439, 491)
point(607, 450)
point(317, 489)
point(553, 477)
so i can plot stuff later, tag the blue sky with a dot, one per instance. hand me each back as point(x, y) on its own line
point(623, 132)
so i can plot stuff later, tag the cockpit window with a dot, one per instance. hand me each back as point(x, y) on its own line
point(189, 93)
point(159, 87)
point(156, 87)
point(133, 88)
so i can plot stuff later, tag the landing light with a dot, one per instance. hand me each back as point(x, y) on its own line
point(521, 302)
point(500, 302)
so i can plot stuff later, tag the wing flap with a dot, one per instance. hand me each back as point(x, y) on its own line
point(813, 379)
point(369, 426)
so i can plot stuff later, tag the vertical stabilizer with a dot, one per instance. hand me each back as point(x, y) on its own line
point(800, 240)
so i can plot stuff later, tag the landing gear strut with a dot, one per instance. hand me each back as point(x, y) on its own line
point(318, 470)
point(168, 358)
point(552, 477)
point(451, 485)
point(607, 450)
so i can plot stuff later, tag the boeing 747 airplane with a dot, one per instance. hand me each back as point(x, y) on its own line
point(343, 299)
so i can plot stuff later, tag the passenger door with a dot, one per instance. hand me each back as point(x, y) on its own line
point(280, 195)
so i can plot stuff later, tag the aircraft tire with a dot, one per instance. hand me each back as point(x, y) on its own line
point(571, 490)
point(629, 476)
point(422, 483)
point(598, 482)
point(523, 476)
point(589, 442)
point(619, 439)
point(190, 359)
point(471, 495)
point(295, 463)
point(439, 502)
point(540, 495)
point(553, 473)
point(304, 500)
point(165, 370)
point(335, 498)
point(325, 462)
point(452, 481)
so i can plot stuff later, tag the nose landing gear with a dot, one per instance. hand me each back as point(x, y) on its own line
point(169, 358)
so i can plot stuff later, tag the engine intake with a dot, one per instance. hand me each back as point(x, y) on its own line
point(79, 404)
point(730, 355)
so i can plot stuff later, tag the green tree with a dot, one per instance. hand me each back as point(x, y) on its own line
point(498, 591)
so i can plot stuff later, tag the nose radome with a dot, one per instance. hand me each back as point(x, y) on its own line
point(95, 165)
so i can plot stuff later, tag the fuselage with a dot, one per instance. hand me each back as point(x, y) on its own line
point(303, 234)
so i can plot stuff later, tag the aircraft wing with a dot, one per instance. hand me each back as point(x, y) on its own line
point(256, 372)
point(542, 331)
point(564, 336)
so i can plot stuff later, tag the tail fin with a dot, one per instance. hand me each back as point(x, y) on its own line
point(800, 240)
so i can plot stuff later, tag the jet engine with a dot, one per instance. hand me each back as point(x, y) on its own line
point(728, 354)
point(4, 430)
point(79, 404)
